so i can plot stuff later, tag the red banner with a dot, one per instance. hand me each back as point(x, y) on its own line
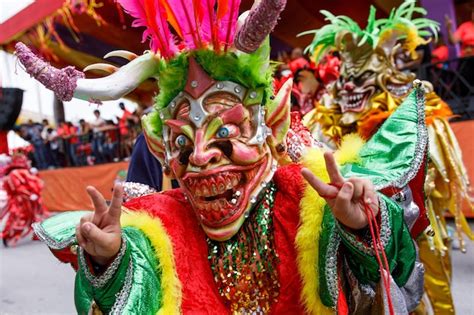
point(65, 188)
point(464, 132)
point(27, 18)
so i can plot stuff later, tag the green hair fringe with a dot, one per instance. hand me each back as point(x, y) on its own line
point(250, 70)
point(244, 69)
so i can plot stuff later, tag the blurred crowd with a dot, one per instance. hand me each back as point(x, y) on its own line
point(85, 143)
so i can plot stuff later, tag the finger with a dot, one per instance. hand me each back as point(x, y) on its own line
point(358, 188)
point(98, 200)
point(93, 234)
point(324, 190)
point(333, 169)
point(115, 209)
point(80, 238)
point(342, 203)
point(370, 196)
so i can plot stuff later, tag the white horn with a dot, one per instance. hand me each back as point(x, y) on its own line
point(69, 82)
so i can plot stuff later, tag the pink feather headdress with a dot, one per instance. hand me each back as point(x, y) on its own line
point(176, 25)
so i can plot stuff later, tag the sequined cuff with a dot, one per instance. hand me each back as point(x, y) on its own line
point(100, 281)
point(134, 190)
point(364, 243)
point(124, 293)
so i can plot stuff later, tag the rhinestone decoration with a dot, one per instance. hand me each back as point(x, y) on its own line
point(220, 85)
point(331, 266)
point(197, 117)
point(134, 190)
point(244, 267)
point(237, 89)
point(51, 242)
point(253, 94)
point(194, 84)
point(122, 295)
point(100, 281)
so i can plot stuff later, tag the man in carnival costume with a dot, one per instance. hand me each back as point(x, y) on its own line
point(369, 90)
point(24, 205)
point(242, 234)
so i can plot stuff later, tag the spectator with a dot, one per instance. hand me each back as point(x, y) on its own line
point(440, 53)
point(111, 141)
point(124, 133)
point(464, 35)
point(98, 137)
point(53, 143)
point(44, 132)
point(84, 146)
point(68, 133)
point(44, 136)
point(73, 143)
point(34, 136)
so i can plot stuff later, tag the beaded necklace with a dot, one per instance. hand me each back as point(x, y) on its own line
point(244, 266)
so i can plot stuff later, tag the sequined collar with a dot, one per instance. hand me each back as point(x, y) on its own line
point(244, 267)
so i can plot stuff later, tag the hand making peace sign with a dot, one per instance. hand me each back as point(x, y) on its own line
point(346, 203)
point(100, 233)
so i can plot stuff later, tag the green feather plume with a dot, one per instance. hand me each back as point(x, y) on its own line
point(399, 19)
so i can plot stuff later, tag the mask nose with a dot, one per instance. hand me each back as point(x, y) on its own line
point(202, 155)
point(349, 86)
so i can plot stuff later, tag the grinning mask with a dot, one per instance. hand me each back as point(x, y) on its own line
point(368, 55)
point(365, 73)
point(221, 142)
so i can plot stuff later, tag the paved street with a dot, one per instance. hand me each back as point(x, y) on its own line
point(32, 281)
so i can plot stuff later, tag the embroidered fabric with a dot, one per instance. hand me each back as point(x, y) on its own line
point(50, 242)
point(124, 293)
point(103, 279)
point(331, 266)
point(366, 245)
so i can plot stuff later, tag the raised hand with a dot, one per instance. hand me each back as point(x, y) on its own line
point(99, 233)
point(448, 21)
point(347, 202)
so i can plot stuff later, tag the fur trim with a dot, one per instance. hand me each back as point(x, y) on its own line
point(312, 210)
point(161, 243)
point(348, 152)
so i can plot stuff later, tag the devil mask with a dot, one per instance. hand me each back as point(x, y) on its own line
point(221, 140)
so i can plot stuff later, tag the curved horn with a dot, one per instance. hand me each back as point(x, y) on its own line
point(258, 25)
point(68, 82)
point(121, 53)
point(101, 67)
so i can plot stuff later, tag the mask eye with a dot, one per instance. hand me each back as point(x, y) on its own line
point(227, 131)
point(223, 132)
point(181, 141)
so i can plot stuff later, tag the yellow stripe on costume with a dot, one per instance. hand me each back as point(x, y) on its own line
point(161, 242)
point(311, 216)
